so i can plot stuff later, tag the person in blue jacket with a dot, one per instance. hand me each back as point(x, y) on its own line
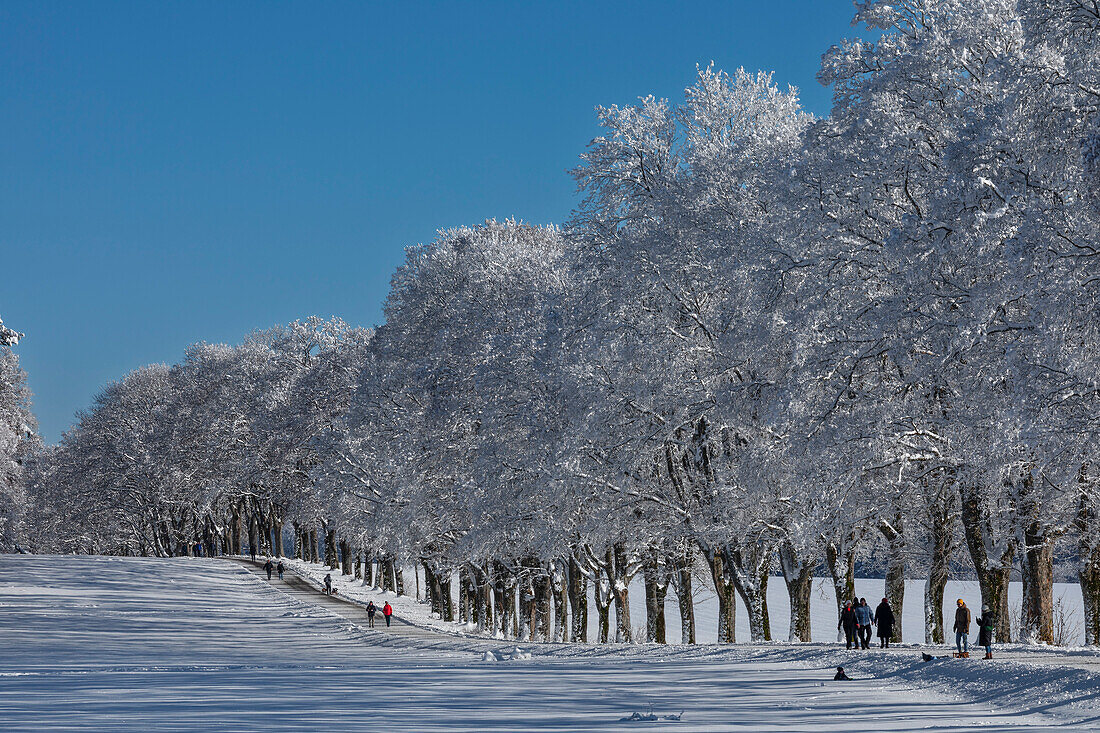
point(864, 618)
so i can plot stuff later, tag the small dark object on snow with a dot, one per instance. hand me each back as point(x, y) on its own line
point(840, 674)
point(926, 656)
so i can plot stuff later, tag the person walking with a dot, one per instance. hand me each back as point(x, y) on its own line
point(387, 611)
point(328, 583)
point(279, 568)
point(884, 619)
point(268, 567)
point(848, 623)
point(962, 627)
point(371, 610)
point(985, 631)
point(864, 620)
point(252, 552)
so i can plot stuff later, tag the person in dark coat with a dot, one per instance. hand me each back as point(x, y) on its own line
point(328, 583)
point(840, 675)
point(962, 627)
point(884, 618)
point(985, 631)
point(371, 610)
point(279, 568)
point(848, 623)
point(268, 567)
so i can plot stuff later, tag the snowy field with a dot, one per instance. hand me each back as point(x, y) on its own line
point(113, 644)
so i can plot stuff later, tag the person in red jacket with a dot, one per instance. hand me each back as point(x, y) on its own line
point(387, 611)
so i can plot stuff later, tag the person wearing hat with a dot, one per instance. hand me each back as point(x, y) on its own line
point(884, 619)
point(849, 624)
point(962, 627)
point(985, 631)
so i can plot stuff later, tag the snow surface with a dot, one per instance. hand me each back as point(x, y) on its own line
point(125, 644)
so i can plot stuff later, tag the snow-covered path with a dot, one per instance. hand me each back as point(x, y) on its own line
point(113, 644)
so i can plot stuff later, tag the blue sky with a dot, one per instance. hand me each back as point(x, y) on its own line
point(181, 172)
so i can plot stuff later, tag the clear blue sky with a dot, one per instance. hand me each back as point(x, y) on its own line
point(177, 172)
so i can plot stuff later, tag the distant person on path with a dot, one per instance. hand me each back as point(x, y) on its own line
point(387, 611)
point(848, 623)
point(328, 583)
point(962, 627)
point(279, 568)
point(985, 631)
point(884, 618)
point(252, 552)
point(371, 610)
point(268, 567)
point(863, 623)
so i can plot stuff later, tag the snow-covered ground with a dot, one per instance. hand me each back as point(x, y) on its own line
point(111, 644)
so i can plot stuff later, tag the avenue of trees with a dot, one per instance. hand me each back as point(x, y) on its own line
point(763, 342)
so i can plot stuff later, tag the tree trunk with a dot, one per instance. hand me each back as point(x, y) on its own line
point(331, 561)
point(655, 575)
point(578, 601)
point(750, 567)
point(1037, 566)
point(560, 593)
point(527, 604)
point(345, 557)
point(726, 592)
point(504, 598)
point(895, 568)
point(435, 594)
point(942, 537)
point(1087, 524)
point(621, 570)
point(798, 575)
point(601, 594)
point(446, 583)
point(841, 561)
point(992, 558)
point(542, 604)
point(684, 562)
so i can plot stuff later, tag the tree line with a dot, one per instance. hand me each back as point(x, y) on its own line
point(763, 341)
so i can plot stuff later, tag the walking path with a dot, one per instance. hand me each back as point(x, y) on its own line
point(400, 629)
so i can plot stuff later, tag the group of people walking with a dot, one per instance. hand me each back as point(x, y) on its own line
point(268, 566)
point(856, 620)
point(387, 609)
